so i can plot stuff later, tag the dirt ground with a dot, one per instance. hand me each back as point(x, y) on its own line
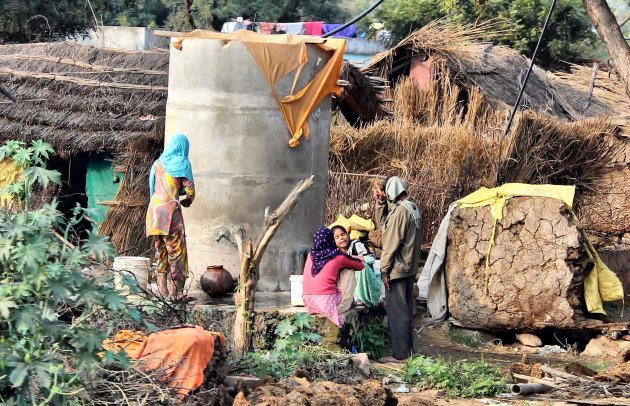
point(437, 340)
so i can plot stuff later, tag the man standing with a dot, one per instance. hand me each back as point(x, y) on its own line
point(400, 222)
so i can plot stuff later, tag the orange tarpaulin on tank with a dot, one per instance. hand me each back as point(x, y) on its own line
point(279, 55)
point(182, 354)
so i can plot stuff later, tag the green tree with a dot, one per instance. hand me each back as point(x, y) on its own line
point(569, 35)
point(45, 301)
point(213, 13)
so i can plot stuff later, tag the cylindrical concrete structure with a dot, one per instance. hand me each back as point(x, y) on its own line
point(241, 160)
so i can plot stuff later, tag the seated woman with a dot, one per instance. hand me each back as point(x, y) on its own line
point(368, 283)
point(319, 282)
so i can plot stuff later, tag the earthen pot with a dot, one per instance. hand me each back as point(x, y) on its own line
point(216, 281)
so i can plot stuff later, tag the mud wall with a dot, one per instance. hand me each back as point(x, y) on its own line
point(537, 267)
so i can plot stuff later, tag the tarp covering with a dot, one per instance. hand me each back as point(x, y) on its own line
point(279, 55)
point(182, 354)
point(601, 284)
point(101, 184)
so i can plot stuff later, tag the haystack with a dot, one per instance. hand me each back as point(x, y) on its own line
point(89, 102)
point(558, 138)
point(536, 270)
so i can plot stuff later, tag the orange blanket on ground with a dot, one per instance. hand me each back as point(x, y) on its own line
point(183, 354)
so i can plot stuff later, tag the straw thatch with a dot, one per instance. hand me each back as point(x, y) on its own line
point(499, 72)
point(80, 98)
point(447, 147)
point(361, 99)
point(83, 99)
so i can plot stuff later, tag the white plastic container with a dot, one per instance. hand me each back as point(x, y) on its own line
point(136, 266)
point(296, 290)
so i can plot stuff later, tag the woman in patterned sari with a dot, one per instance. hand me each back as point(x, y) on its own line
point(367, 285)
point(171, 177)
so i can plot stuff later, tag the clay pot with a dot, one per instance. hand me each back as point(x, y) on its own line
point(216, 281)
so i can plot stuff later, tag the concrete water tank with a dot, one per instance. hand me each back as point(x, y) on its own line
point(241, 161)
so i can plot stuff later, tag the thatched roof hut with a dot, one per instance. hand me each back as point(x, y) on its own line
point(81, 98)
point(499, 71)
point(90, 104)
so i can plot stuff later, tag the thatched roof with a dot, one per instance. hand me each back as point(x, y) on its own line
point(82, 98)
point(498, 72)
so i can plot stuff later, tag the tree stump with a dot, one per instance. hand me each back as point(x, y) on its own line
point(536, 273)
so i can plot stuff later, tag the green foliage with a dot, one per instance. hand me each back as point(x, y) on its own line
point(459, 379)
point(372, 339)
point(213, 13)
point(45, 342)
point(292, 349)
point(32, 160)
point(569, 35)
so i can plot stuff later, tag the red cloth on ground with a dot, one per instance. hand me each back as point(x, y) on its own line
point(182, 354)
point(314, 28)
point(325, 282)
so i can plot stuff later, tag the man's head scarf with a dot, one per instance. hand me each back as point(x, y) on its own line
point(175, 161)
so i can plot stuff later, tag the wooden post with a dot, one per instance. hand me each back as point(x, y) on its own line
point(606, 25)
point(245, 297)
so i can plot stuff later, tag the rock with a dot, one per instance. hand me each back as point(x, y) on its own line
point(236, 381)
point(603, 346)
point(389, 379)
point(529, 340)
point(362, 363)
point(401, 389)
point(524, 348)
point(551, 349)
point(239, 400)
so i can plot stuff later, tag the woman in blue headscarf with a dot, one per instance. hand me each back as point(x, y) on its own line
point(170, 177)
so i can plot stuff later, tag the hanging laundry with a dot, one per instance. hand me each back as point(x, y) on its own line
point(314, 28)
point(266, 28)
point(295, 28)
point(348, 32)
point(281, 28)
point(228, 27)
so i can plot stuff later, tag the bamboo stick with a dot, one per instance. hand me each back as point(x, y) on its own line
point(79, 81)
point(74, 62)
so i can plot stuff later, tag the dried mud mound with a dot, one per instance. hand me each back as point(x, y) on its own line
point(536, 272)
point(301, 392)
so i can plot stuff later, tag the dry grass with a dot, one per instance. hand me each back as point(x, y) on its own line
point(125, 222)
point(445, 140)
point(441, 152)
point(551, 150)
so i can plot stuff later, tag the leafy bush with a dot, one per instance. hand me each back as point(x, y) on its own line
point(372, 339)
point(459, 379)
point(292, 349)
point(45, 341)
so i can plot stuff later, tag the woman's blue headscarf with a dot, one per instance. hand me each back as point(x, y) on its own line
point(175, 161)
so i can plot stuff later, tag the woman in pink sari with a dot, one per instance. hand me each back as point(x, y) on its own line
point(322, 268)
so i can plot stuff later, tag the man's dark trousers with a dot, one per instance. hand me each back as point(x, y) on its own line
point(399, 304)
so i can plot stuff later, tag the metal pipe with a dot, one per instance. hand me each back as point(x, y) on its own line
point(529, 70)
point(354, 20)
point(526, 389)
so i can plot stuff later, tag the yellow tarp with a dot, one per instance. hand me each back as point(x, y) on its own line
point(10, 173)
point(279, 55)
point(601, 284)
point(355, 225)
